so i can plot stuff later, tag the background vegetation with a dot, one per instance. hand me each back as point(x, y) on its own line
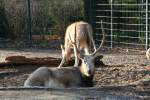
point(48, 16)
point(4, 27)
point(52, 16)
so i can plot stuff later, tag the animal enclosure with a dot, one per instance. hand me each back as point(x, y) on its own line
point(126, 22)
point(31, 32)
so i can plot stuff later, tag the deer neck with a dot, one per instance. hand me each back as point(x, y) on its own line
point(86, 81)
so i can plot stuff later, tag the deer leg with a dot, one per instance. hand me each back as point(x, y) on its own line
point(76, 57)
point(86, 51)
point(62, 62)
point(63, 56)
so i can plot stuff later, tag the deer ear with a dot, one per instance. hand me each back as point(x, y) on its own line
point(99, 57)
point(97, 54)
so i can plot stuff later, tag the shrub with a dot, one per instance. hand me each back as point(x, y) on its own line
point(64, 12)
point(4, 27)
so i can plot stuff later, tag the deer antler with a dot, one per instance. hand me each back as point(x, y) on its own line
point(102, 42)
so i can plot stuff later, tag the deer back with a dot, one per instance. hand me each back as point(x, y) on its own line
point(82, 34)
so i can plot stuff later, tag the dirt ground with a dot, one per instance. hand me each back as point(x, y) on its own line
point(122, 69)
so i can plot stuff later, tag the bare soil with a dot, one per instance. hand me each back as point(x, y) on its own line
point(121, 69)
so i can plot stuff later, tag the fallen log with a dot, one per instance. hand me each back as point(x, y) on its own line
point(7, 73)
point(22, 60)
point(48, 61)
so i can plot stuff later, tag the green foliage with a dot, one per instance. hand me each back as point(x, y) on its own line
point(45, 14)
point(4, 27)
point(63, 12)
point(125, 1)
point(135, 18)
point(55, 14)
point(39, 16)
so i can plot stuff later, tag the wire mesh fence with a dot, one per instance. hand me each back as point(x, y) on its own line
point(127, 24)
point(53, 16)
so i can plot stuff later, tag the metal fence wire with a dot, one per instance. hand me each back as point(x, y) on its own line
point(53, 16)
point(127, 24)
point(36, 19)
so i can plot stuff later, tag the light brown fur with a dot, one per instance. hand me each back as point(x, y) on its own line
point(84, 37)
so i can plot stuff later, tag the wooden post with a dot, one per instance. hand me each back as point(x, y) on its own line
point(29, 20)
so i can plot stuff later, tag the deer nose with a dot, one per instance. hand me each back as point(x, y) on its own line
point(89, 72)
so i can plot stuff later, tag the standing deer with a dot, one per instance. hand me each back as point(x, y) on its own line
point(84, 37)
point(65, 77)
